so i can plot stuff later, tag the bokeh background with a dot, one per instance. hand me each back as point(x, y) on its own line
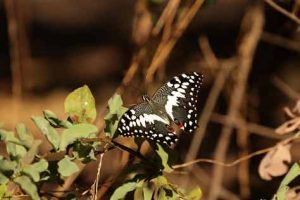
point(50, 47)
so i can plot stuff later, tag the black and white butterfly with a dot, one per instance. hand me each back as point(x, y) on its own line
point(175, 102)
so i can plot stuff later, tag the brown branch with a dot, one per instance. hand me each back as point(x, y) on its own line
point(221, 163)
point(255, 18)
point(286, 13)
point(15, 50)
point(94, 187)
point(251, 127)
point(290, 139)
point(166, 17)
point(243, 168)
point(208, 108)
point(281, 41)
point(164, 49)
point(285, 88)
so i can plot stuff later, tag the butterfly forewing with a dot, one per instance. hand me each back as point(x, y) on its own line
point(179, 97)
point(176, 100)
point(141, 121)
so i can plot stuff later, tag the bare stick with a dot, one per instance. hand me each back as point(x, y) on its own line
point(15, 51)
point(281, 41)
point(221, 163)
point(95, 185)
point(243, 168)
point(285, 88)
point(255, 18)
point(283, 11)
point(251, 127)
point(165, 48)
point(208, 109)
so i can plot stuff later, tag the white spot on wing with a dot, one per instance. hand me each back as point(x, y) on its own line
point(169, 84)
point(150, 118)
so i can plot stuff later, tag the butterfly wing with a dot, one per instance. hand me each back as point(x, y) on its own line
point(141, 121)
point(179, 97)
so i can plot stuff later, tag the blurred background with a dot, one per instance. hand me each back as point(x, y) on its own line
point(50, 47)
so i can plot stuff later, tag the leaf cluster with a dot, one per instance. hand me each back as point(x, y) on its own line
point(25, 167)
point(75, 140)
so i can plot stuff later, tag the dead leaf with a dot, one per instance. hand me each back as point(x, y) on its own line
point(275, 162)
point(289, 126)
point(296, 109)
point(292, 194)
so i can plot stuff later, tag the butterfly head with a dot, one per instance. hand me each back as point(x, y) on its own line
point(146, 98)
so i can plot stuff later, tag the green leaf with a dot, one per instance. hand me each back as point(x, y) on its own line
point(84, 152)
point(138, 193)
point(80, 105)
point(115, 105)
point(281, 193)
point(27, 186)
point(160, 181)
point(3, 179)
point(70, 196)
point(66, 167)
point(13, 145)
point(24, 135)
point(115, 111)
point(121, 191)
point(110, 128)
point(289, 177)
point(147, 193)
point(164, 158)
point(50, 133)
point(32, 152)
point(195, 194)
point(162, 194)
point(76, 132)
point(3, 189)
point(7, 165)
point(35, 169)
point(55, 121)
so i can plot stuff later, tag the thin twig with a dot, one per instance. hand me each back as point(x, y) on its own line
point(168, 14)
point(95, 185)
point(285, 88)
point(208, 54)
point(288, 14)
point(208, 109)
point(221, 163)
point(255, 18)
point(281, 41)
point(165, 48)
point(243, 168)
point(251, 127)
point(15, 46)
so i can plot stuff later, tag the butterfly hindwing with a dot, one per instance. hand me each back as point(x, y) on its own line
point(141, 121)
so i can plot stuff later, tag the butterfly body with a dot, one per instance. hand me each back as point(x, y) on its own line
point(176, 101)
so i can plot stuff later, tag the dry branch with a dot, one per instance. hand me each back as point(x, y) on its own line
point(254, 17)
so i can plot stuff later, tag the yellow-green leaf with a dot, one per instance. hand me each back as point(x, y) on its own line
point(121, 191)
point(50, 133)
point(35, 169)
point(164, 158)
point(80, 105)
point(27, 186)
point(76, 132)
point(66, 167)
point(195, 194)
point(24, 135)
point(289, 177)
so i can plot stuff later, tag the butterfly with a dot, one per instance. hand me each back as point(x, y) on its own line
point(173, 103)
